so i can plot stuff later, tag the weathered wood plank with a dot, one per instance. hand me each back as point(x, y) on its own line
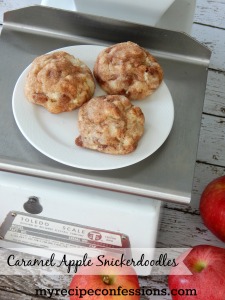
point(203, 175)
point(212, 140)
point(26, 285)
point(11, 295)
point(156, 283)
point(177, 229)
point(215, 93)
point(213, 38)
point(210, 12)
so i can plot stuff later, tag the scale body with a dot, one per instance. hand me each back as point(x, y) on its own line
point(178, 16)
point(132, 216)
point(125, 201)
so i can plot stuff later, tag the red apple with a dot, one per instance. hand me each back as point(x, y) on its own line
point(212, 207)
point(207, 282)
point(95, 282)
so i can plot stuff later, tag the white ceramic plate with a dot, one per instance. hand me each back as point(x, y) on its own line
point(54, 134)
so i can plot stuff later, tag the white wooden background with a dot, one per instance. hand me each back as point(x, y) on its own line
point(181, 226)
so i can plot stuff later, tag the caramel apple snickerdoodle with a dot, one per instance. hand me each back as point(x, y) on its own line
point(59, 82)
point(128, 69)
point(110, 124)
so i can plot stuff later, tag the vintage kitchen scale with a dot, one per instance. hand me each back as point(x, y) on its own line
point(106, 202)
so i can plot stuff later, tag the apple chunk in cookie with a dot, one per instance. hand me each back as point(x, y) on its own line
point(110, 124)
point(59, 82)
point(128, 69)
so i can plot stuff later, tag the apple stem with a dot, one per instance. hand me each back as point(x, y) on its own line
point(106, 279)
point(200, 267)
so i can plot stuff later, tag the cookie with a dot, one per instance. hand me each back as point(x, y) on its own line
point(59, 82)
point(110, 124)
point(127, 69)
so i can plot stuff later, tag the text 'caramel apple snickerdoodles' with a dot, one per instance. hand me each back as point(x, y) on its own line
point(127, 69)
point(59, 82)
point(110, 124)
